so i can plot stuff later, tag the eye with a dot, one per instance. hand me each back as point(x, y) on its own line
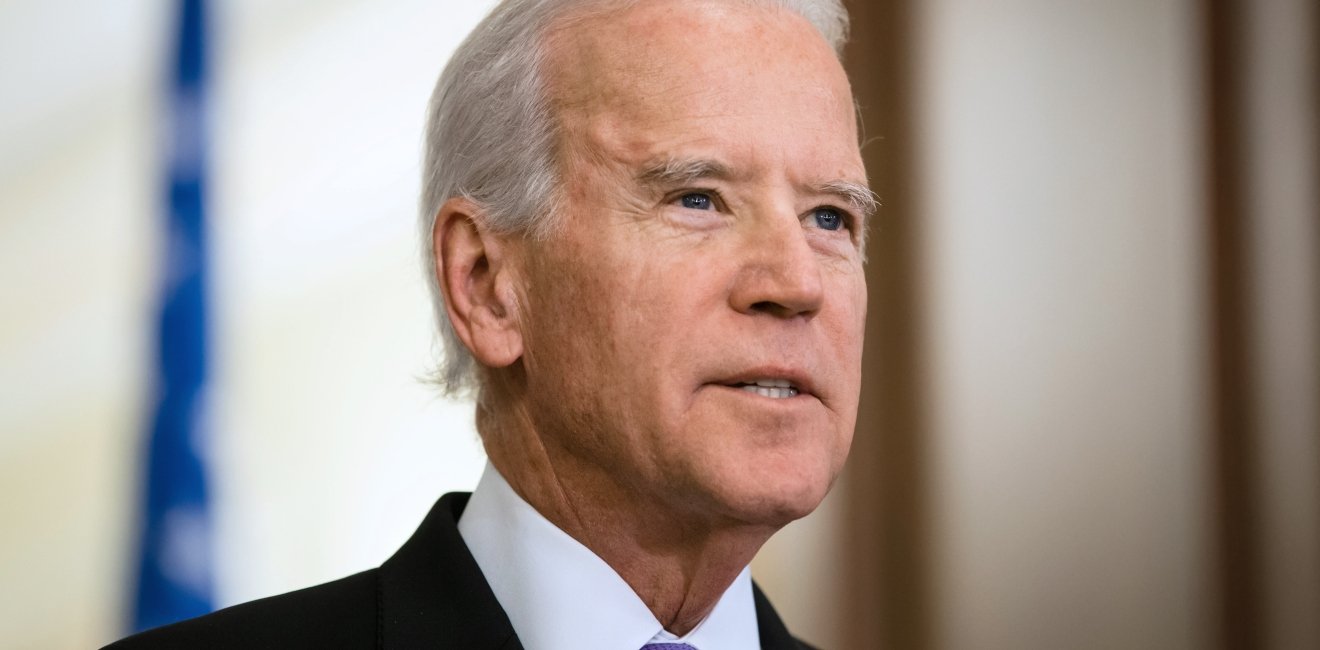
point(697, 201)
point(828, 218)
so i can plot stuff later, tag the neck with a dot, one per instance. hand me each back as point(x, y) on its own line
point(678, 563)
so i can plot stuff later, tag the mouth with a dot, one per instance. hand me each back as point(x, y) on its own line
point(771, 388)
point(771, 382)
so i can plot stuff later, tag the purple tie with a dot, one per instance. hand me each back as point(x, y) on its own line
point(667, 646)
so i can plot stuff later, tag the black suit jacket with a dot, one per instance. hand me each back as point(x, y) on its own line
point(430, 594)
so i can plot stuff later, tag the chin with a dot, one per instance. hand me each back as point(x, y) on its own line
point(776, 494)
point(759, 466)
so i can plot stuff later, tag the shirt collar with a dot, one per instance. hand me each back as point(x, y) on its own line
point(560, 595)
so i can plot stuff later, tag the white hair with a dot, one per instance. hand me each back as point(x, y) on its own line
point(490, 136)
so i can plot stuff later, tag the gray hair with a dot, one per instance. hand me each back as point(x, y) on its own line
point(490, 136)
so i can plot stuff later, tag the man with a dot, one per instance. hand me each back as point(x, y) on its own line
point(646, 228)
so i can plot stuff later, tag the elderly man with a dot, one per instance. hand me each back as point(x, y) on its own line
point(645, 225)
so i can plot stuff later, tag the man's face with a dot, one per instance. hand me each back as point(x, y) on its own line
point(705, 247)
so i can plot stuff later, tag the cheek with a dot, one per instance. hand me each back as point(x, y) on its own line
point(597, 320)
point(846, 333)
point(660, 303)
point(847, 323)
point(561, 302)
point(858, 332)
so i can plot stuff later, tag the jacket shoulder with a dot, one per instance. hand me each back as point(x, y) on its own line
point(339, 614)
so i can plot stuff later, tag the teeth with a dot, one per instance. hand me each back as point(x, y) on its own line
point(773, 383)
point(773, 392)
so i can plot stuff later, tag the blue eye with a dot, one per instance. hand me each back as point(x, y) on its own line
point(827, 218)
point(697, 201)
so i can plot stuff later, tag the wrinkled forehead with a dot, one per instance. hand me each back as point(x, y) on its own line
point(643, 61)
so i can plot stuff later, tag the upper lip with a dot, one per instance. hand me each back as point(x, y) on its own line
point(800, 379)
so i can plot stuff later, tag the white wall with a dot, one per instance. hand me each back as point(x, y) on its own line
point(328, 450)
point(76, 251)
point(332, 448)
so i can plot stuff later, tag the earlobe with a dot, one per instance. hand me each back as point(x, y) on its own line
point(477, 271)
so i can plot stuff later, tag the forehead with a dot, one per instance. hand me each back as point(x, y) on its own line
point(651, 76)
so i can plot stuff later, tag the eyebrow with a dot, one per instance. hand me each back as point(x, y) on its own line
point(681, 171)
point(859, 197)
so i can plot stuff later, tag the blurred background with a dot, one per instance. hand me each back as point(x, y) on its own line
point(1091, 414)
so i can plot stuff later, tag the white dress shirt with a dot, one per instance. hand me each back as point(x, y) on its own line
point(561, 596)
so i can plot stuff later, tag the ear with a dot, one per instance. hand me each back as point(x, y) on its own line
point(478, 278)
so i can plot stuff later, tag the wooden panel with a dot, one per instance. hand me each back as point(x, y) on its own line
point(886, 588)
point(1232, 437)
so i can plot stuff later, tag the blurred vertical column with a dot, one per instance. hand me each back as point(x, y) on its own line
point(1062, 278)
point(1233, 443)
point(886, 588)
point(174, 579)
point(1263, 185)
point(1280, 150)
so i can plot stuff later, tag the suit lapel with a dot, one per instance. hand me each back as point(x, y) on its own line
point(432, 592)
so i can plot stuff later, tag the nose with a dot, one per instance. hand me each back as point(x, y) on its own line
point(780, 275)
